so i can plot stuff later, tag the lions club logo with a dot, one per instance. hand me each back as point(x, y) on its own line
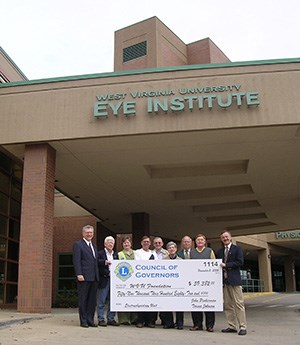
point(123, 271)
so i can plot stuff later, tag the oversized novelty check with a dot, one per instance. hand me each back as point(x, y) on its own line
point(166, 285)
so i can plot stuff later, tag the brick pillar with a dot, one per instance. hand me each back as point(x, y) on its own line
point(265, 270)
point(289, 274)
point(36, 238)
point(140, 227)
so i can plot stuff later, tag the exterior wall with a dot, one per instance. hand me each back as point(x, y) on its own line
point(205, 51)
point(133, 34)
point(198, 52)
point(164, 48)
point(8, 69)
point(63, 104)
point(216, 54)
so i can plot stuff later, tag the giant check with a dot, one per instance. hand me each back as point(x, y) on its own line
point(166, 285)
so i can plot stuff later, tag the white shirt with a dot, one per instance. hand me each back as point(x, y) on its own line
point(90, 243)
point(109, 256)
point(141, 254)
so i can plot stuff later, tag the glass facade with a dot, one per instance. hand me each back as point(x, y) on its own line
point(10, 213)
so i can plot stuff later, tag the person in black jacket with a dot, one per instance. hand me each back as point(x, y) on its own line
point(232, 260)
point(87, 275)
point(105, 258)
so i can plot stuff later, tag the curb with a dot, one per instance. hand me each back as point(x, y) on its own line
point(7, 323)
point(257, 294)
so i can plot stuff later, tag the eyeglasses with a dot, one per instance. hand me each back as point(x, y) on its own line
point(157, 242)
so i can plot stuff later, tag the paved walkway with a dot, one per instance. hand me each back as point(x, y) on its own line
point(61, 327)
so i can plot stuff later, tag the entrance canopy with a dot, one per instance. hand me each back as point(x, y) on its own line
point(198, 148)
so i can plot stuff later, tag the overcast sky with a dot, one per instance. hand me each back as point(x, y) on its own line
point(55, 38)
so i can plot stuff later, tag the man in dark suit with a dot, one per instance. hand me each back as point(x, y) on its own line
point(105, 258)
point(232, 260)
point(86, 271)
point(186, 246)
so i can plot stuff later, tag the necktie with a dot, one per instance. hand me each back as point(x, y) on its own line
point(225, 254)
point(186, 254)
point(91, 249)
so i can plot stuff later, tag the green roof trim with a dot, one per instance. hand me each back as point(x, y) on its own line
point(12, 63)
point(154, 70)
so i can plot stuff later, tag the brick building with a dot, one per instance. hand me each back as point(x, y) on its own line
point(176, 139)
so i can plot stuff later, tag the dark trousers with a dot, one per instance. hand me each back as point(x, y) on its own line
point(198, 319)
point(87, 300)
point(167, 317)
point(147, 318)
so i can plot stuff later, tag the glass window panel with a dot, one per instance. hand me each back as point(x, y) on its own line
point(4, 183)
point(5, 162)
point(3, 203)
point(17, 171)
point(3, 226)
point(14, 229)
point(65, 259)
point(2, 247)
point(65, 272)
point(12, 272)
point(1, 293)
point(15, 209)
point(16, 190)
point(67, 284)
point(2, 271)
point(13, 251)
point(11, 293)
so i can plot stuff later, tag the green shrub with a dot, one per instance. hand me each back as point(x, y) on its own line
point(66, 299)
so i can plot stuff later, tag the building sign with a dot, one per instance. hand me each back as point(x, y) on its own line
point(175, 100)
point(279, 235)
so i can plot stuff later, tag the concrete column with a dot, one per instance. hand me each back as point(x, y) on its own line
point(289, 274)
point(36, 238)
point(264, 266)
point(140, 227)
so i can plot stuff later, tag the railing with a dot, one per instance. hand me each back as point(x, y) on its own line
point(253, 285)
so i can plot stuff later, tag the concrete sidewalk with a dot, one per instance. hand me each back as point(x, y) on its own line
point(62, 327)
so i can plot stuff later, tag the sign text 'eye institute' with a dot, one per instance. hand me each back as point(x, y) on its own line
point(192, 99)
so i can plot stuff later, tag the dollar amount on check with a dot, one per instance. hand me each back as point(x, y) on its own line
point(166, 285)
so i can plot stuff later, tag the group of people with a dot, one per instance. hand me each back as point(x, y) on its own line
point(92, 270)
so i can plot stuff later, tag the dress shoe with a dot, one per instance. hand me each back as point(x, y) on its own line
point(126, 323)
point(229, 330)
point(179, 327)
point(196, 328)
point(113, 323)
point(84, 325)
point(102, 323)
point(151, 325)
point(168, 326)
point(139, 325)
point(92, 325)
point(242, 332)
point(210, 329)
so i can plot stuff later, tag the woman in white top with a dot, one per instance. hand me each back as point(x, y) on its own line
point(145, 253)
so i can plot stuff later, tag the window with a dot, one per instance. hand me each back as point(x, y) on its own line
point(10, 210)
point(134, 52)
point(66, 275)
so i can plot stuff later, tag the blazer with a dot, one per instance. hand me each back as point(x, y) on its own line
point(180, 253)
point(84, 261)
point(104, 272)
point(235, 261)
